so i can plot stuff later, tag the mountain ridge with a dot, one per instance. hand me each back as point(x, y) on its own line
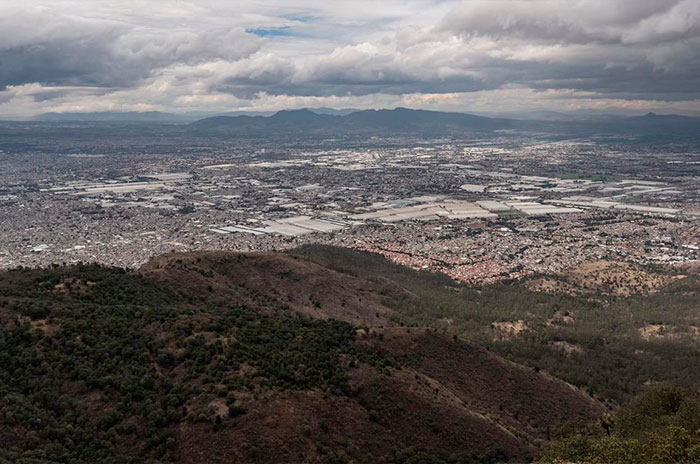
point(399, 121)
point(424, 122)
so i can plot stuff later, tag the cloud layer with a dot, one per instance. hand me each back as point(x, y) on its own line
point(69, 55)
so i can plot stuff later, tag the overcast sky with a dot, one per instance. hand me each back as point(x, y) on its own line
point(473, 55)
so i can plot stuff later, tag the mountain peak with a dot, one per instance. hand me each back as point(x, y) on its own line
point(300, 116)
point(295, 111)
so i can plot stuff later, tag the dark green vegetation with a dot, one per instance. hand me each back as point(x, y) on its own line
point(213, 357)
point(661, 426)
point(89, 336)
point(591, 341)
point(224, 357)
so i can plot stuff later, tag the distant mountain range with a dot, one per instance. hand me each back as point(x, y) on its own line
point(398, 121)
point(162, 117)
point(425, 123)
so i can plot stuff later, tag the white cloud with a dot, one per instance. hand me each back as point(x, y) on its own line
point(70, 55)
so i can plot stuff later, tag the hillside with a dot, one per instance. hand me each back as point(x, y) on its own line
point(658, 427)
point(637, 328)
point(227, 357)
point(276, 284)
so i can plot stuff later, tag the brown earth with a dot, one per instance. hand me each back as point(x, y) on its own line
point(449, 397)
point(605, 277)
point(272, 282)
point(488, 383)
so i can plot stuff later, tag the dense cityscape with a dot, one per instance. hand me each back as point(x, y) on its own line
point(498, 207)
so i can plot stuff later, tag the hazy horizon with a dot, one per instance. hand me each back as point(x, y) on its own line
point(535, 113)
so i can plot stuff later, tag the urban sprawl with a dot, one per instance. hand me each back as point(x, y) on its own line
point(481, 210)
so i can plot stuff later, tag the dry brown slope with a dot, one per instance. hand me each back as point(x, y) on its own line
point(516, 397)
point(448, 398)
point(275, 282)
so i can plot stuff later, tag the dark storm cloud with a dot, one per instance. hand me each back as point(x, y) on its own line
point(557, 21)
point(629, 49)
point(635, 48)
point(39, 47)
point(361, 75)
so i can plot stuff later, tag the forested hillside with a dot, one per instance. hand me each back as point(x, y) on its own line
point(613, 346)
point(661, 426)
point(331, 355)
point(108, 365)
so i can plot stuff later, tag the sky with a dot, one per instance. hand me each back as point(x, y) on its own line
point(487, 56)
